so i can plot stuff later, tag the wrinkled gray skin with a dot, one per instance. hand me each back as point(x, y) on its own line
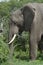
point(28, 18)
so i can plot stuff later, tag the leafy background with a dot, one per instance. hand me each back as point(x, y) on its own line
point(21, 52)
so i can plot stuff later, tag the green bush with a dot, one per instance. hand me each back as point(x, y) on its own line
point(4, 51)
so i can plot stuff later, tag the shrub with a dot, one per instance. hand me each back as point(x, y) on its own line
point(4, 50)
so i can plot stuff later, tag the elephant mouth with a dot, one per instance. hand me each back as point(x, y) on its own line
point(12, 38)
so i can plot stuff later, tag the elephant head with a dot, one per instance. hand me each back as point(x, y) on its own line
point(21, 20)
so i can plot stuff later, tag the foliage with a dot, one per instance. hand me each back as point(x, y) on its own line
point(21, 51)
point(4, 50)
point(22, 45)
point(21, 62)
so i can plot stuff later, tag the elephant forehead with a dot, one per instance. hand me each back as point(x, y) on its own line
point(17, 17)
point(17, 13)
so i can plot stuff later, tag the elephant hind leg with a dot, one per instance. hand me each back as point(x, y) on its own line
point(40, 44)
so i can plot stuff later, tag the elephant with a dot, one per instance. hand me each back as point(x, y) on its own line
point(40, 45)
point(28, 18)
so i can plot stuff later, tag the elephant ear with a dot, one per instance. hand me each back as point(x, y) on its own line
point(28, 14)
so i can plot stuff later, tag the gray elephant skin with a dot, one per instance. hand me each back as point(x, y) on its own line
point(28, 18)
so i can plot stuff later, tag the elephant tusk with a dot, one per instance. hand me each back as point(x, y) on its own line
point(12, 39)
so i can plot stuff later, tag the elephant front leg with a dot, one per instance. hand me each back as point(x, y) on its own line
point(33, 47)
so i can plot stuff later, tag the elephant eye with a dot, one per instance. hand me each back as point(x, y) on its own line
point(34, 9)
point(20, 14)
point(14, 23)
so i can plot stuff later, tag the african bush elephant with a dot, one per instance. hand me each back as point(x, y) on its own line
point(28, 18)
point(40, 45)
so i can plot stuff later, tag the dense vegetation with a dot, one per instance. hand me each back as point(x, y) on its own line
point(21, 52)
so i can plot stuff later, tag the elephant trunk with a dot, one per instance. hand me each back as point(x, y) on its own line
point(12, 39)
